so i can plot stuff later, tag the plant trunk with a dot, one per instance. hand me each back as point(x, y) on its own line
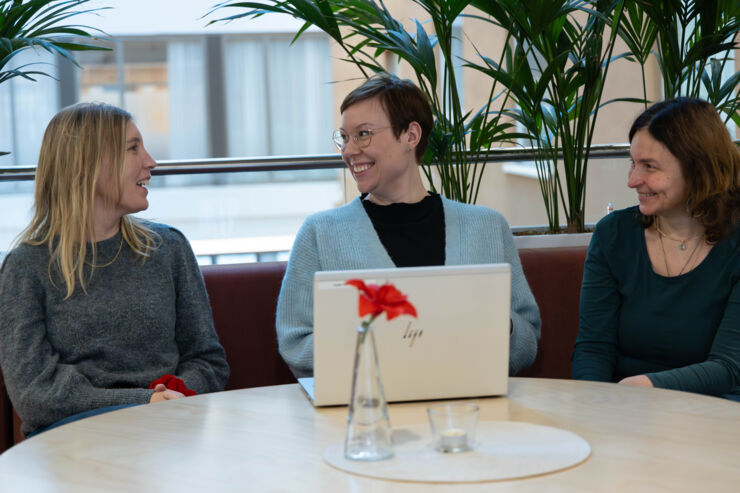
point(575, 223)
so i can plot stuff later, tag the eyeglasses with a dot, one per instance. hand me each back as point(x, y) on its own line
point(361, 138)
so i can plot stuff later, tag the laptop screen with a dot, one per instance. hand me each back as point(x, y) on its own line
point(458, 346)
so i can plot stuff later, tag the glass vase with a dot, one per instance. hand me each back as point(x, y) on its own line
point(368, 427)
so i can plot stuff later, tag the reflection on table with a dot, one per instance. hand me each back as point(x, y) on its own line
point(272, 439)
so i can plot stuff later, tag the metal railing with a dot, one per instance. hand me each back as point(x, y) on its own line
point(307, 162)
point(272, 249)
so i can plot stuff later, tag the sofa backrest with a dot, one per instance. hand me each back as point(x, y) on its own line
point(554, 275)
point(244, 297)
point(243, 301)
point(6, 418)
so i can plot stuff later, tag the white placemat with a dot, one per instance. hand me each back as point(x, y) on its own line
point(503, 450)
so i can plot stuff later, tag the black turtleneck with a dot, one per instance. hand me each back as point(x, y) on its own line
point(412, 234)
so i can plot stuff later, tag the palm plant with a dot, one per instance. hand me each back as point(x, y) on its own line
point(639, 33)
point(555, 73)
point(693, 41)
point(34, 24)
point(461, 140)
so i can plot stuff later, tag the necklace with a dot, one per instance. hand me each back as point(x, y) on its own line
point(664, 235)
point(665, 257)
point(115, 257)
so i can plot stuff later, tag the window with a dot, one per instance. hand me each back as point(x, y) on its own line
point(27, 107)
point(161, 83)
point(279, 98)
point(200, 96)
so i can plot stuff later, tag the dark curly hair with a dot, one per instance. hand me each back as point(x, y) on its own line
point(694, 133)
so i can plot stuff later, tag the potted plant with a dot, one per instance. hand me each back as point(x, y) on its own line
point(555, 72)
point(461, 140)
point(39, 24)
point(693, 41)
point(559, 63)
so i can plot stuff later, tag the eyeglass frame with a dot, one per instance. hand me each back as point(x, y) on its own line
point(336, 137)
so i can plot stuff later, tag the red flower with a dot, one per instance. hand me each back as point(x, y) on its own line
point(173, 383)
point(375, 300)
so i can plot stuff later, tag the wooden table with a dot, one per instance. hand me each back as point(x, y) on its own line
point(271, 439)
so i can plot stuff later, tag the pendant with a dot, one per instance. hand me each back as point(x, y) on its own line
point(683, 245)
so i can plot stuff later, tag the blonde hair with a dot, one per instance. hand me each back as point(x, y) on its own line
point(77, 143)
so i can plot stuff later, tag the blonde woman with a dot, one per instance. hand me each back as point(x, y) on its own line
point(96, 306)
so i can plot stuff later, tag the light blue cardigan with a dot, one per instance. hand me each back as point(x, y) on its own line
point(344, 238)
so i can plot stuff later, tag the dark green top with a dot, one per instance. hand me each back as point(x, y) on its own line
point(683, 332)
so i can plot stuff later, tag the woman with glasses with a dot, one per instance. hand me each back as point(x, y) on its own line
point(99, 309)
point(396, 222)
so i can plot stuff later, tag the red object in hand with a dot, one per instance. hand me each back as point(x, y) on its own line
point(375, 300)
point(172, 383)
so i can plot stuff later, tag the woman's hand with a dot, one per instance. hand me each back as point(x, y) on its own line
point(162, 393)
point(637, 380)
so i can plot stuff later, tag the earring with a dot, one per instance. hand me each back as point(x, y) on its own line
point(408, 148)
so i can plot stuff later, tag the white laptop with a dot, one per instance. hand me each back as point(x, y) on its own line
point(457, 347)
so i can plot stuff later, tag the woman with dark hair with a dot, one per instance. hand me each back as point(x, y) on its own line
point(396, 222)
point(99, 309)
point(660, 301)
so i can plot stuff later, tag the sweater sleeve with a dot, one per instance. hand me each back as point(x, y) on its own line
point(720, 373)
point(294, 320)
point(525, 315)
point(202, 364)
point(595, 353)
point(42, 388)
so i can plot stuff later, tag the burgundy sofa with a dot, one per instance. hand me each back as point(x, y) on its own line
point(243, 299)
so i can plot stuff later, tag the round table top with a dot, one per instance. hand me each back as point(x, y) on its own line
point(272, 439)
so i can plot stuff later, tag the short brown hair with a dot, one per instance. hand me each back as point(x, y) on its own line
point(403, 103)
point(692, 131)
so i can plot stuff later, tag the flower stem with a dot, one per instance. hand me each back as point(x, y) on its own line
point(365, 324)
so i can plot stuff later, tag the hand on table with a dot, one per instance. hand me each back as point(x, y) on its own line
point(162, 393)
point(637, 380)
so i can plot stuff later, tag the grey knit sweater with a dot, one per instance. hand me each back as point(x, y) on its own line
point(136, 323)
point(344, 238)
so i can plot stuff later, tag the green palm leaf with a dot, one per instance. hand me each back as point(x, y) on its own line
point(40, 24)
